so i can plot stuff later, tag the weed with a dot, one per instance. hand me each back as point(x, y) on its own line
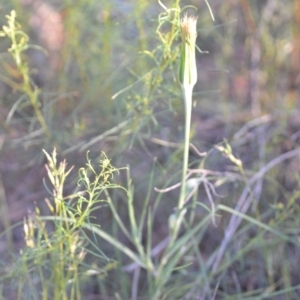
point(127, 233)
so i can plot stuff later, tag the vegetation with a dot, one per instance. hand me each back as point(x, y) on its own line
point(179, 188)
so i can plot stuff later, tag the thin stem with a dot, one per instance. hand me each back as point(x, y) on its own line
point(187, 95)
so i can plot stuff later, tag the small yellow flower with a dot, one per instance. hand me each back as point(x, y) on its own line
point(188, 68)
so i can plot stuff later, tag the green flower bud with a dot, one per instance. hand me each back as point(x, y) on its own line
point(188, 68)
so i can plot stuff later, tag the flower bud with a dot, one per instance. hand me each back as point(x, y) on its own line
point(188, 68)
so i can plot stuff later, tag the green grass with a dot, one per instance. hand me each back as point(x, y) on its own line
point(102, 88)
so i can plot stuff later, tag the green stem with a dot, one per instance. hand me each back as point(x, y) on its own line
point(187, 94)
point(34, 102)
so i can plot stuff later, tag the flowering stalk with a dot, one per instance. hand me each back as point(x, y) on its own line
point(187, 79)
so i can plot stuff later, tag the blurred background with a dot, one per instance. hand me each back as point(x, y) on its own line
point(107, 81)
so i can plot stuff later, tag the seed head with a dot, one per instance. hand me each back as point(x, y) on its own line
point(189, 27)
